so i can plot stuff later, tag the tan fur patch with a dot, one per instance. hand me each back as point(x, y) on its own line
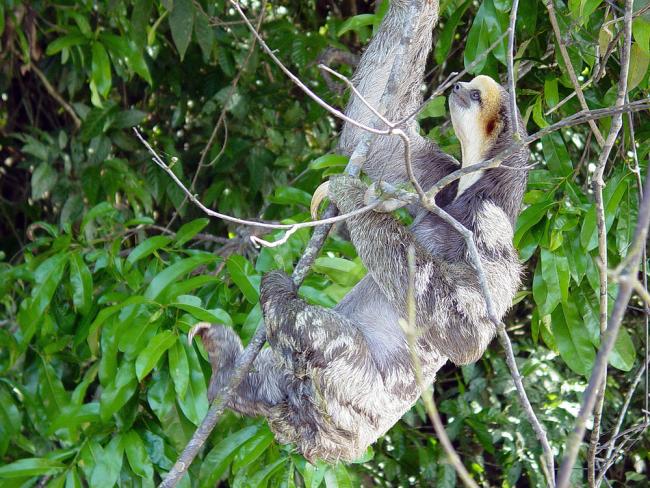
point(491, 102)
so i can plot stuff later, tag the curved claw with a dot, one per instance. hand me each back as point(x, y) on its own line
point(197, 329)
point(319, 195)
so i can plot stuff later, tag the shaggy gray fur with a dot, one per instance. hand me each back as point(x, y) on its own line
point(333, 381)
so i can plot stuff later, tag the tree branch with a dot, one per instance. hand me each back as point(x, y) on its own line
point(427, 391)
point(598, 184)
point(300, 271)
point(569, 67)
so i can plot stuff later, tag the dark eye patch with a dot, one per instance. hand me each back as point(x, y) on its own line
point(475, 95)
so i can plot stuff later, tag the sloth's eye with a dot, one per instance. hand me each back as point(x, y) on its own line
point(475, 95)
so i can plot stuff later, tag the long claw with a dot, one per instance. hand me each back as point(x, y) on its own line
point(319, 195)
point(197, 330)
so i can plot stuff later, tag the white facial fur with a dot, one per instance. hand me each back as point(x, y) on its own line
point(470, 125)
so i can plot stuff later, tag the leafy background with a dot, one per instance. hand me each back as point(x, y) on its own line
point(104, 267)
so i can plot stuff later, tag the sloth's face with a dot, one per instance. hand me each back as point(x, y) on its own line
point(474, 108)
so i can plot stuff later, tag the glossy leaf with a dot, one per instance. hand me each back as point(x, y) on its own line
point(181, 21)
point(150, 355)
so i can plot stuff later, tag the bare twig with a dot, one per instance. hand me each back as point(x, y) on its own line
point(571, 72)
point(300, 271)
point(428, 202)
point(56, 95)
point(621, 417)
point(222, 117)
point(193, 198)
point(427, 391)
point(598, 184)
point(625, 272)
point(511, 74)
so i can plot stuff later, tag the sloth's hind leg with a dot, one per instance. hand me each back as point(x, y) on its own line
point(261, 388)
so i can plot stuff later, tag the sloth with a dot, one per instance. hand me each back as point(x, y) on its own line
point(334, 380)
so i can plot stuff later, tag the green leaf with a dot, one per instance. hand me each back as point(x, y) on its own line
point(195, 402)
point(253, 449)
point(612, 195)
point(339, 270)
point(204, 33)
point(556, 156)
point(100, 73)
point(356, 23)
point(146, 247)
point(65, 42)
point(554, 286)
point(641, 32)
point(126, 119)
point(624, 354)
point(30, 467)
point(443, 46)
point(434, 108)
point(551, 94)
point(109, 464)
point(118, 392)
point(639, 62)
point(47, 277)
point(189, 230)
point(126, 50)
point(242, 272)
point(181, 21)
point(261, 477)
point(170, 274)
point(338, 477)
point(572, 339)
point(528, 218)
point(286, 195)
point(137, 455)
point(82, 283)
point(192, 305)
point(150, 355)
point(179, 368)
point(329, 161)
point(44, 179)
point(99, 210)
point(217, 460)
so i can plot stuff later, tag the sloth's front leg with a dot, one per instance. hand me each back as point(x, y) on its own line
point(262, 387)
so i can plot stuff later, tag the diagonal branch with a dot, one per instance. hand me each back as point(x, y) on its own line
point(300, 271)
point(569, 67)
point(600, 381)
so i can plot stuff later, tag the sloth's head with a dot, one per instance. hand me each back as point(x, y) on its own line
point(479, 114)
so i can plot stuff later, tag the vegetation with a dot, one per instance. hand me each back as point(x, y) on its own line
point(105, 266)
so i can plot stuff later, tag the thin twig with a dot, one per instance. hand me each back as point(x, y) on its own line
point(571, 72)
point(428, 202)
point(193, 198)
point(222, 117)
point(628, 270)
point(427, 391)
point(598, 184)
point(300, 272)
point(511, 73)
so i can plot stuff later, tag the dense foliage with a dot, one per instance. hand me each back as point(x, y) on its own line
point(104, 266)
